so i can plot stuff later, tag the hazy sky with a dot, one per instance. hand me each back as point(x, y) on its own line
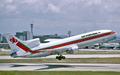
point(59, 16)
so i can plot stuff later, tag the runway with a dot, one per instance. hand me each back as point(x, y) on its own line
point(97, 50)
point(70, 56)
point(58, 67)
point(75, 56)
point(62, 66)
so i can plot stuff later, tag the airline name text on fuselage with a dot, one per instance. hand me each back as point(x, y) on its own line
point(89, 35)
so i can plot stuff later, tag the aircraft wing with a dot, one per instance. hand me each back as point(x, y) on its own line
point(51, 40)
point(71, 49)
point(56, 51)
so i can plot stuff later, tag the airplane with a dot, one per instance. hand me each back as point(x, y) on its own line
point(33, 48)
point(110, 46)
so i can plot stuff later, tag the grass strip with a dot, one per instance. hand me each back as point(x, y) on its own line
point(57, 73)
point(3, 53)
point(68, 60)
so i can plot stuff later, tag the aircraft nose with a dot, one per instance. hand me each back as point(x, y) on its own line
point(113, 33)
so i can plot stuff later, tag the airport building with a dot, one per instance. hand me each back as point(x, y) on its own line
point(4, 40)
point(0, 38)
point(4, 45)
point(25, 35)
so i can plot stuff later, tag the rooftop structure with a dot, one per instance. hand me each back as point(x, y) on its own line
point(25, 35)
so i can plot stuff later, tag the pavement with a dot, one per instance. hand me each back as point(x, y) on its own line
point(58, 67)
point(97, 50)
point(63, 66)
point(76, 56)
point(70, 56)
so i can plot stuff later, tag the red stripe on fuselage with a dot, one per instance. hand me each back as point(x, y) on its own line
point(26, 49)
point(78, 41)
point(61, 45)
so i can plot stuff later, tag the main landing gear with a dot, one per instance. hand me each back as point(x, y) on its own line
point(60, 57)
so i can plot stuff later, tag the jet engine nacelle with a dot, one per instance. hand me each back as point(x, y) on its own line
point(73, 49)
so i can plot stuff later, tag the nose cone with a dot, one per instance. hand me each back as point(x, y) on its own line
point(114, 33)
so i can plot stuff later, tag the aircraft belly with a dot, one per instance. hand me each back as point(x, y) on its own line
point(41, 54)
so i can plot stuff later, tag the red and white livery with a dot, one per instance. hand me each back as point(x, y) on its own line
point(33, 47)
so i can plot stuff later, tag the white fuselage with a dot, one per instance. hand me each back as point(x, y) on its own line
point(81, 40)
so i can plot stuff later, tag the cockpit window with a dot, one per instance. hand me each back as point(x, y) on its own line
point(111, 32)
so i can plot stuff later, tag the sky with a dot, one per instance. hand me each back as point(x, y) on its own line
point(51, 17)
